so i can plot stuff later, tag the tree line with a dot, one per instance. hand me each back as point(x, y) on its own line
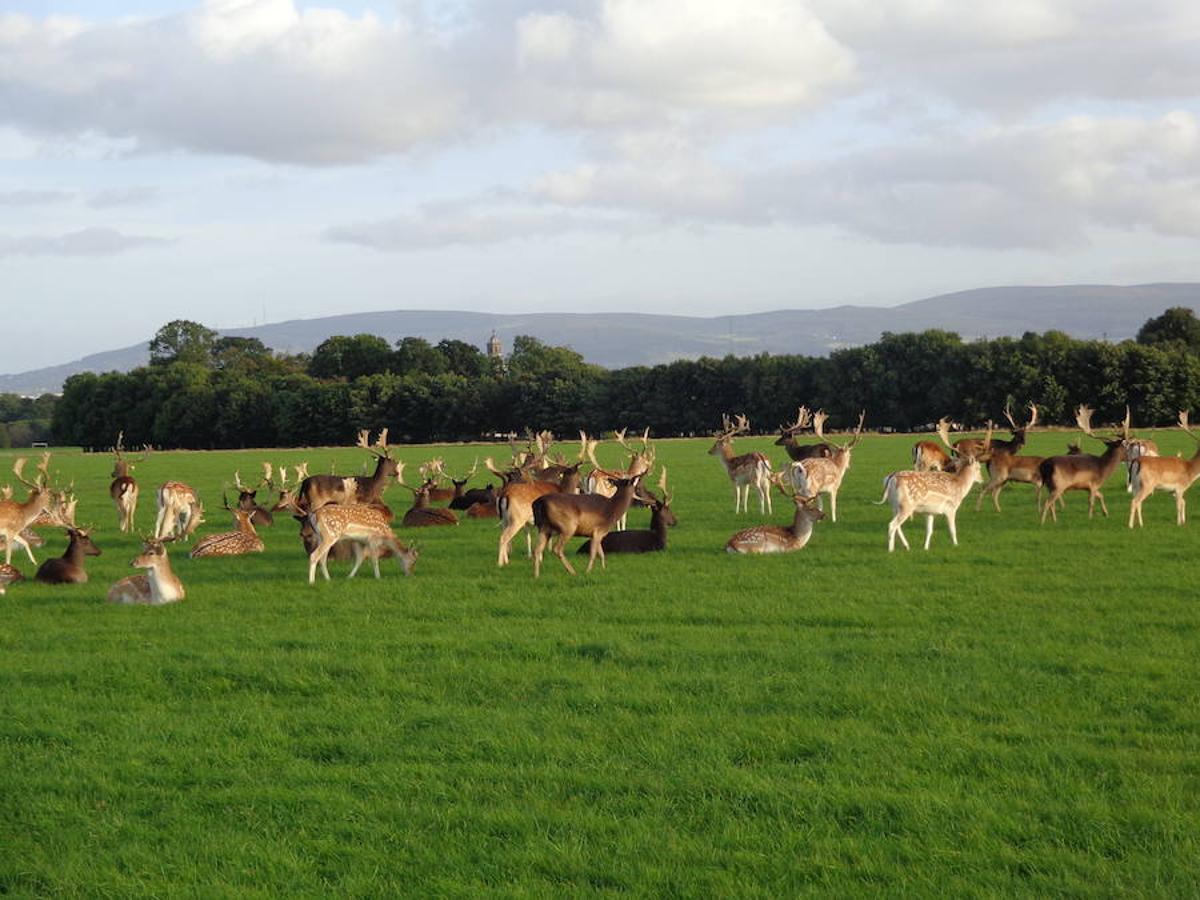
point(202, 391)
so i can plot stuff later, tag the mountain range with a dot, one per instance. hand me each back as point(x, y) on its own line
point(616, 340)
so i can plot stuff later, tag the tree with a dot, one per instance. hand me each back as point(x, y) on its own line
point(416, 356)
point(351, 357)
point(463, 358)
point(183, 341)
point(1178, 325)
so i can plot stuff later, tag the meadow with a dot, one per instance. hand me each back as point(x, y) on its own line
point(1016, 715)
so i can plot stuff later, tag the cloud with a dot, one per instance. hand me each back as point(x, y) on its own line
point(87, 242)
point(137, 195)
point(33, 197)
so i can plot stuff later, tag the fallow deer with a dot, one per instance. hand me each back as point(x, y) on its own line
point(778, 538)
point(1005, 465)
point(421, 514)
point(814, 477)
point(515, 505)
point(603, 481)
point(317, 490)
point(638, 540)
point(1164, 473)
point(1083, 472)
point(365, 527)
point(158, 586)
point(560, 517)
point(8, 575)
point(69, 568)
point(745, 470)
point(931, 494)
point(230, 543)
point(800, 452)
point(180, 511)
point(1135, 448)
point(248, 498)
point(124, 489)
point(16, 517)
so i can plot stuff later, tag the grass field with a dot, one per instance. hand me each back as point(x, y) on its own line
point(1020, 714)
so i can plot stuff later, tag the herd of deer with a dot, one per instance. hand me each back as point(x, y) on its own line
point(346, 517)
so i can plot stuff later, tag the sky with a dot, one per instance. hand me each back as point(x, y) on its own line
point(242, 161)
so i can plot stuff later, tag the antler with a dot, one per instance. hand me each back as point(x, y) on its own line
point(379, 448)
point(1032, 416)
point(1083, 418)
point(803, 419)
point(943, 431)
point(662, 487)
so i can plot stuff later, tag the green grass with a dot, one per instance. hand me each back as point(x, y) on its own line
point(1020, 714)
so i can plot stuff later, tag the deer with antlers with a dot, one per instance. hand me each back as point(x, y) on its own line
point(317, 490)
point(1164, 473)
point(248, 498)
point(515, 503)
point(778, 538)
point(158, 586)
point(814, 477)
point(16, 517)
point(745, 470)
point(124, 489)
point(230, 543)
point(368, 531)
point(603, 481)
point(180, 511)
point(800, 452)
point(1083, 472)
point(560, 517)
point(1005, 464)
point(69, 568)
point(421, 514)
point(638, 540)
point(931, 494)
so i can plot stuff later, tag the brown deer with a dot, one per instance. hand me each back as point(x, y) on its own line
point(8, 575)
point(814, 477)
point(230, 543)
point(778, 538)
point(745, 470)
point(563, 516)
point(602, 481)
point(180, 511)
point(365, 527)
point(1083, 472)
point(931, 494)
point(927, 456)
point(158, 586)
point(515, 506)
point(800, 452)
point(124, 489)
point(1164, 473)
point(16, 517)
point(248, 498)
point(1005, 464)
point(317, 490)
point(637, 540)
point(421, 514)
point(68, 568)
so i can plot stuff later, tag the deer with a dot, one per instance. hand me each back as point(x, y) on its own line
point(365, 527)
point(317, 490)
point(602, 481)
point(158, 586)
point(16, 517)
point(69, 568)
point(1006, 465)
point(247, 498)
point(778, 538)
point(8, 575)
point(230, 543)
point(563, 516)
point(421, 514)
point(745, 470)
point(1164, 473)
point(515, 505)
point(1135, 448)
point(1083, 472)
point(927, 456)
point(800, 452)
point(465, 498)
point(638, 540)
point(931, 494)
point(813, 477)
point(124, 489)
point(180, 511)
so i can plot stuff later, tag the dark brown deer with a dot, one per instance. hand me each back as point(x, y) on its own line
point(797, 452)
point(1083, 472)
point(636, 540)
point(421, 514)
point(560, 517)
point(247, 500)
point(1005, 465)
point(68, 568)
point(317, 490)
point(515, 505)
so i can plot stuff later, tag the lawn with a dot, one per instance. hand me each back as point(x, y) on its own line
point(1020, 714)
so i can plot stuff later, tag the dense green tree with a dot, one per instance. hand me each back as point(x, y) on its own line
point(1178, 326)
point(351, 357)
point(416, 356)
point(463, 358)
point(182, 341)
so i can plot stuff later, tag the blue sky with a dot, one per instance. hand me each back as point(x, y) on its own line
point(235, 160)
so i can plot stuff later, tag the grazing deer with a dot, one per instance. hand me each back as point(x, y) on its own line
point(16, 517)
point(563, 516)
point(515, 506)
point(124, 489)
point(365, 527)
point(68, 568)
point(1005, 465)
point(931, 494)
point(636, 540)
point(777, 538)
point(8, 575)
point(814, 477)
point(745, 470)
point(800, 452)
point(1164, 473)
point(1083, 472)
point(230, 543)
point(158, 586)
point(317, 490)
point(180, 511)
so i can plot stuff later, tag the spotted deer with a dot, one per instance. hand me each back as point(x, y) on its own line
point(8, 575)
point(814, 477)
point(16, 517)
point(180, 511)
point(778, 538)
point(158, 586)
point(749, 469)
point(1164, 473)
point(230, 543)
point(365, 527)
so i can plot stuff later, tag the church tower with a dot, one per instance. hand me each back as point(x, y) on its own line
point(494, 350)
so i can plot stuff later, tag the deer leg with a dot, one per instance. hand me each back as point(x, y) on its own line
point(1103, 505)
point(560, 552)
point(928, 529)
point(543, 539)
point(833, 505)
point(1180, 508)
point(951, 522)
point(596, 550)
point(358, 558)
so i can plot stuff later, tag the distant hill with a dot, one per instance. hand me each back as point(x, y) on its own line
point(616, 340)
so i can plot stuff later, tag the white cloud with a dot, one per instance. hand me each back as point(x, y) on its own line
point(87, 242)
point(136, 195)
point(29, 197)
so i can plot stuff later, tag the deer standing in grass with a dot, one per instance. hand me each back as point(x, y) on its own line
point(1005, 465)
point(180, 511)
point(124, 489)
point(231, 543)
point(745, 470)
point(814, 477)
point(158, 586)
point(365, 527)
point(1164, 473)
point(778, 538)
point(1083, 472)
point(637, 540)
point(16, 517)
point(1136, 448)
point(515, 505)
point(317, 490)
point(603, 481)
point(800, 452)
point(931, 494)
point(560, 517)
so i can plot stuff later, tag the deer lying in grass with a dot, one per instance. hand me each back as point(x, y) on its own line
point(638, 540)
point(560, 517)
point(778, 538)
point(1083, 472)
point(231, 543)
point(1164, 473)
point(365, 527)
point(317, 490)
point(421, 514)
point(68, 568)
point(931, 494)
point(158, 586)
point(8, 575)
point(247, 500)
